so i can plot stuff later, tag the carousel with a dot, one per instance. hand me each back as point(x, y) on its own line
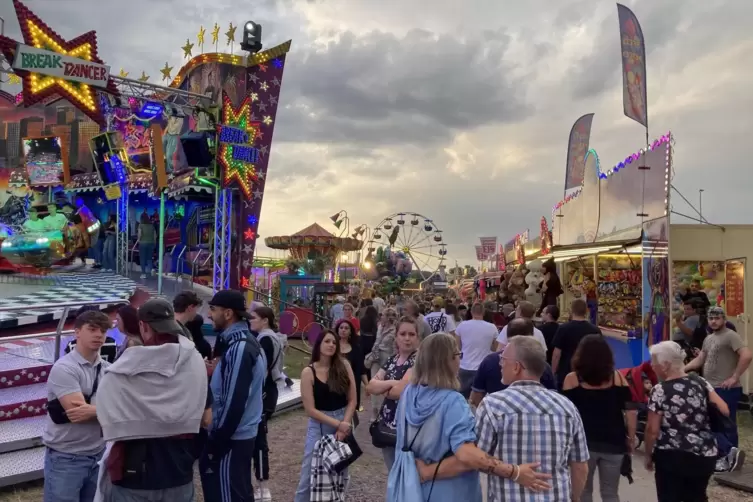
point(314, 243)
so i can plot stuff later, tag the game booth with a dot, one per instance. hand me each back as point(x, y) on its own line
point(611, 241)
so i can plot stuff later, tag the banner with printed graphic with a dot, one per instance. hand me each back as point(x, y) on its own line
point(480, 253)
point(577, 147)
point(633, 66)
point(488, 246)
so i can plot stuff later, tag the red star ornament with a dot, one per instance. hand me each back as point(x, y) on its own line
point(36, 87)
point(249, 234)
point(244, 282)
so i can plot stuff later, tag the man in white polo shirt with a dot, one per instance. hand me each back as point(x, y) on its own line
point(525, 310)
point(72, 434)
point(476, 339)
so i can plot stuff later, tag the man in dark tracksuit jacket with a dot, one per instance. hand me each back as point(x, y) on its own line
point(237, 384)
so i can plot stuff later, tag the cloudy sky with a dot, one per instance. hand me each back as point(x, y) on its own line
point(461, 114)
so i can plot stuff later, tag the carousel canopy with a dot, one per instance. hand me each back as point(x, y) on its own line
point(313, 239)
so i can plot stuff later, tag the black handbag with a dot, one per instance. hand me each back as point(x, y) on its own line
point(55, 408)
point(355, 453)
point(382, 435)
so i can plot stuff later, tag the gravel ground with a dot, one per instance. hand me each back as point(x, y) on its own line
point(369, 476)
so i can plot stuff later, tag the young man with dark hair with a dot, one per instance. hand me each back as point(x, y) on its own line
point(237, 382)
point(72, 434)
point(568, 337)
point(153, 401)
point(186, 305)
point(550, 315)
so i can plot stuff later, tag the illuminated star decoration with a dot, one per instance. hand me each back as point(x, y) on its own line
point(123, 73)
point(249, 234)
point(187, 49)
point(244, 282)
point(237, 170)
point(166, 71)
point(230, 34)
point(215, 33)
point(252, 220)
point(200, 38)
point(144, 77)
point(13, 78)
point(38, 88)
point(267, 120)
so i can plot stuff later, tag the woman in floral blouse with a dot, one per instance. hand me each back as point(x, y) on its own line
point(678, 431)
point(394, 375)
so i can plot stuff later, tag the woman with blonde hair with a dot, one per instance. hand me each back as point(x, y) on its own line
point(381, 351)
point(437, 423)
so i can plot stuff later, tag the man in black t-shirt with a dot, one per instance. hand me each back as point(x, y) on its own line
point(568, 337)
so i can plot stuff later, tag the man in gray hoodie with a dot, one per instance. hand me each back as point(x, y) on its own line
point(151, 403)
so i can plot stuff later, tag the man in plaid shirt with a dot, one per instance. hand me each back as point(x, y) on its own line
point(527, 423)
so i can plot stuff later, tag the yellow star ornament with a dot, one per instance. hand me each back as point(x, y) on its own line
point(123, 73)
point(144, 77)
point(200, 38)
point(166, 71)
point(187, 49)
point(230, 34)
point(215, 33)
point(13, 78)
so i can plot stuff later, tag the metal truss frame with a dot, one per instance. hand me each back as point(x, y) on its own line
point(154, 92)
point(121, 238)
point(223, 217)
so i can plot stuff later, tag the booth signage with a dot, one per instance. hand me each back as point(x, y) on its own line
point(245, 154)
point(734, 301)
point(233, 135)
point(54, 64)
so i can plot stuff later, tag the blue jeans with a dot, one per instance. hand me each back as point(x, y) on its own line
point(313, 434)
point(146, 251)
point(96, 248)
point(726, 440)
point(70, 478)
point(183, 493)
point(108, 252)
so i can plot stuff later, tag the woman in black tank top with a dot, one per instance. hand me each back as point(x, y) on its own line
point(328, 390)
point(609, 417)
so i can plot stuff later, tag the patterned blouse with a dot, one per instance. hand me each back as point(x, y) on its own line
point(683, 403)
point(394, 371)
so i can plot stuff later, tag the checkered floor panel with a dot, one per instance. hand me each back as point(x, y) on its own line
point(89, 286)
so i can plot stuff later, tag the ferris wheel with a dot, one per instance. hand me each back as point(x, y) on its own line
point(415, 235)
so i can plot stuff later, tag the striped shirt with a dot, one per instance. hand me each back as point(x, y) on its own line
point(527, 423)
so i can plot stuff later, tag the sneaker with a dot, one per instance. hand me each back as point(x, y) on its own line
point(722, 464)
point(143, 276)
point(266, 495)
point(257, 494)
point(736, 459)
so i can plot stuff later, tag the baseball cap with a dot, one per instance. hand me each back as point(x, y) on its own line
point(231, 300)
point(716, 312)
point(160, 316)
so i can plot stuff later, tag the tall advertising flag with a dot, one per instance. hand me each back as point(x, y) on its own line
point(633, 66)
point(577, 147)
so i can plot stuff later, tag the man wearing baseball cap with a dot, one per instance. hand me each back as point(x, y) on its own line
point(151, 403)
point(724, 358)
point(236, 383)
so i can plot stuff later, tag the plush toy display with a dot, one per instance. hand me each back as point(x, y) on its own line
point(516, 286)
point(534, 279)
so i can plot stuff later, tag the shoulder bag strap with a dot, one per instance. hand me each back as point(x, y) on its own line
point(95, 385)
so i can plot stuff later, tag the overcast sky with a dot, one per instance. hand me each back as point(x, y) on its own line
point(461, 114)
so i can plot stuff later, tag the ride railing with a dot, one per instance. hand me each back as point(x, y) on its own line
point(60, 331)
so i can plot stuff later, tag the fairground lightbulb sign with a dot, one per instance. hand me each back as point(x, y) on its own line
point(54, 64)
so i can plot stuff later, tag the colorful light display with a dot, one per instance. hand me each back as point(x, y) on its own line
point(37, 35)
point(235, 170)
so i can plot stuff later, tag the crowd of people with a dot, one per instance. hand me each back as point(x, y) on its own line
point(465, 403)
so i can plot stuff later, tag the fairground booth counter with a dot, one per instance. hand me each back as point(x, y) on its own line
point(616, 249)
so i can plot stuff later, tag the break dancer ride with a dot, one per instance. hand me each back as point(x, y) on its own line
point(139, 146)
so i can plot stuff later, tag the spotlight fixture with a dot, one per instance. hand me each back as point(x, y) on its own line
point(251, 37)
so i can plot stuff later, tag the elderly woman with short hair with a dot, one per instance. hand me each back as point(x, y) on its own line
point(678, 431)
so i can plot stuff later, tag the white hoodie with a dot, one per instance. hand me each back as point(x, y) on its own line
point(153, 392)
